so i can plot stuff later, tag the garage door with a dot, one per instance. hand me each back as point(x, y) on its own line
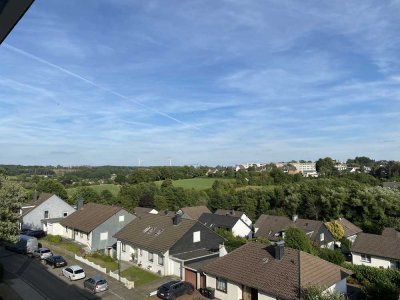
point(191, 276)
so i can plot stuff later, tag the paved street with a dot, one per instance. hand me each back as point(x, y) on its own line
point(33, 280)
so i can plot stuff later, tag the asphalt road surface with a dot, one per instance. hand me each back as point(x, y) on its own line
point(35, 281)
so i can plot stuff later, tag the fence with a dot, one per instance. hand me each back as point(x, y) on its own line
point(126, 282)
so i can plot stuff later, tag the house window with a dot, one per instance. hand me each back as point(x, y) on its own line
point(121, 218)
point(161, 260)
point(87, 236)
point(321, 237)
point(104, 236)
point(196, 236)
point(66, 229)
point(123, 247)
point(221, 285)
point(65, 214)
point(46, 214)
point(366, 258)
point(140, 252)
point(81, 234)
point(150, 256)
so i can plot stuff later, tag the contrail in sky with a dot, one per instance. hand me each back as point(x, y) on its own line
point(43, 61)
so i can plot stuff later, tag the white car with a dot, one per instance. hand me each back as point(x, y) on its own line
point(42, 253)
point(74, 272)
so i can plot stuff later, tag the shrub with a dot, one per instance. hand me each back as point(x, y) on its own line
point(53, 238)
point(332, 256)
point(296, 238)
point(378, 283)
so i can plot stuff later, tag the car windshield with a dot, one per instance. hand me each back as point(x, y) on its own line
point(79, 271)
point(101, 282)
point(45, 251)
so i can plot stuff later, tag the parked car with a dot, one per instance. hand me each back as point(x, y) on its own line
point(56, 261)
point(25, 245)
point(42, 253)
point(74, 272)
point(36, 233)
point(96, 283)
point(173, 289)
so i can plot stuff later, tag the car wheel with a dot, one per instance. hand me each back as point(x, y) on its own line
point(54, 266)
point(173, 297)
point(70, 278)
point(190, 292)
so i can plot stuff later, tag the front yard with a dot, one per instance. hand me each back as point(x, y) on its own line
point(139, 276)
point(103, 260)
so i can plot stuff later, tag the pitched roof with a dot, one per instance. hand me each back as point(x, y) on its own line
point(36, 202)
point(155, 233)
point(348, 227)
point(90, 216)
point(378, 245)
point(254, 265)
point(270, 226)
point(195, 212)
point(218, 221)
point(142, 210)
point(229, 212)
point(392, 232)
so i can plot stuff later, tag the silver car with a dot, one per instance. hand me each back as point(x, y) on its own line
point(96, 283)
point(42, 253)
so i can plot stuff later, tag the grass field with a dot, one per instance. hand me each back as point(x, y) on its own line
point(113, 188)
point(195, 183)
point(139, 276)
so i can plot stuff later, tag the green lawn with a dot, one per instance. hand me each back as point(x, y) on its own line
point(139, 276)
point(110, 265)
point(195, 183)
point(113, 188)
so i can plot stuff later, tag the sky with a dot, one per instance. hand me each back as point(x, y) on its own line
point(112, 82)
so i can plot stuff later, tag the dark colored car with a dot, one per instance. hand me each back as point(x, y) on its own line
point(56, 261)
point(36, 233)
point(174, 289)
point(96, 283)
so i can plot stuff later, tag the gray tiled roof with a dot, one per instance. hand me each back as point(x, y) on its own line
point(155, 233)
point(377, 245)
point(348, 227)
point(218, 221)
point(269, 225)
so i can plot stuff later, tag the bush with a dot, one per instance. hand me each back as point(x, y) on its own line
point(378, 283)
point(53, 238)
point(296, 238)
point(332, 256)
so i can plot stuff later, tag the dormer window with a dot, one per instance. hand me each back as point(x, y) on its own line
point(321, 237)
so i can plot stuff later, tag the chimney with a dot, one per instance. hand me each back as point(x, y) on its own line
point(232, 212)
point(279, 250)
point(294, 218)
point(177, 219)
point(79, 203)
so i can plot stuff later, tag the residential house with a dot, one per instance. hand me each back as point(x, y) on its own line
point(164, 244)
point(374, 250)
point(93, 225)
point(350, 230)
point(45, 212)
point(256, 271)
point(231, 223)
point(139, 211)
point(273, 228)
point(193, 212)
point(235, 213)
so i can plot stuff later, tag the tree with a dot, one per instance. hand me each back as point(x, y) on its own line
point(106, 197)
point(326, 166)
point(336, 229)
point(87, 193)
point(317, 293)
point(11, 197)
point(53, 187)
point(296, 238)
point(120, 179)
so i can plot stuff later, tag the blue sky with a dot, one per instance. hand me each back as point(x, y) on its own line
point(200, 82)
